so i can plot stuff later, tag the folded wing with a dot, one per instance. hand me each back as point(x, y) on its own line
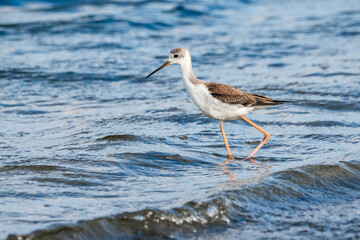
point(232, 95)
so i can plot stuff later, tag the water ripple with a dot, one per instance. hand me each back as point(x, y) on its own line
point(92, 150)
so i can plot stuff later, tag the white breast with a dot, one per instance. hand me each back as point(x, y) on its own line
point(211, 106)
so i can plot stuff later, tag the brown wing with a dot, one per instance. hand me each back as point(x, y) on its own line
point(232, 95)
point(229, 94)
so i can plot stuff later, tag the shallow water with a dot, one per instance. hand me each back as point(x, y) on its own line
point(92, 150)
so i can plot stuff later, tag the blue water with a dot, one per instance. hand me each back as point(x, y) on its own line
point(89, 149)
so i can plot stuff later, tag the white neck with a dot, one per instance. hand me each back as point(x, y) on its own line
point(187, 72)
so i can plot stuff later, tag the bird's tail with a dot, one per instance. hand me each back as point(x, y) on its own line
point(262, 100)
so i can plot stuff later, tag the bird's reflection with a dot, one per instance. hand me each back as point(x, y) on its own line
point(226, 169)
point(255, 165)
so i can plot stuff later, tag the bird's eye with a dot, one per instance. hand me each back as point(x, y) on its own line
point(176, 56)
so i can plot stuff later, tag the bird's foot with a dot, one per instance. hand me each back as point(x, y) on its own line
point(248, 158)
point(228, 160)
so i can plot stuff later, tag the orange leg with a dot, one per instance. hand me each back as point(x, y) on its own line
point(230, 157)
point(266, 138)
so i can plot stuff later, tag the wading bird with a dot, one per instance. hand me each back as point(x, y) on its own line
point(218, 101)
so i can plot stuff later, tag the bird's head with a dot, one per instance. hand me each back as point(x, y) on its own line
point(176, 56)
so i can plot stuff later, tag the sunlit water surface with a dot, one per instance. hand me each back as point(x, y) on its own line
point(89, 149)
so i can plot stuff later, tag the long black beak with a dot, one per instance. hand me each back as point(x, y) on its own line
point(161, 67)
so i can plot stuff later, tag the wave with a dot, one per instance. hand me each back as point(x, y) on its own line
point(239, 205)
